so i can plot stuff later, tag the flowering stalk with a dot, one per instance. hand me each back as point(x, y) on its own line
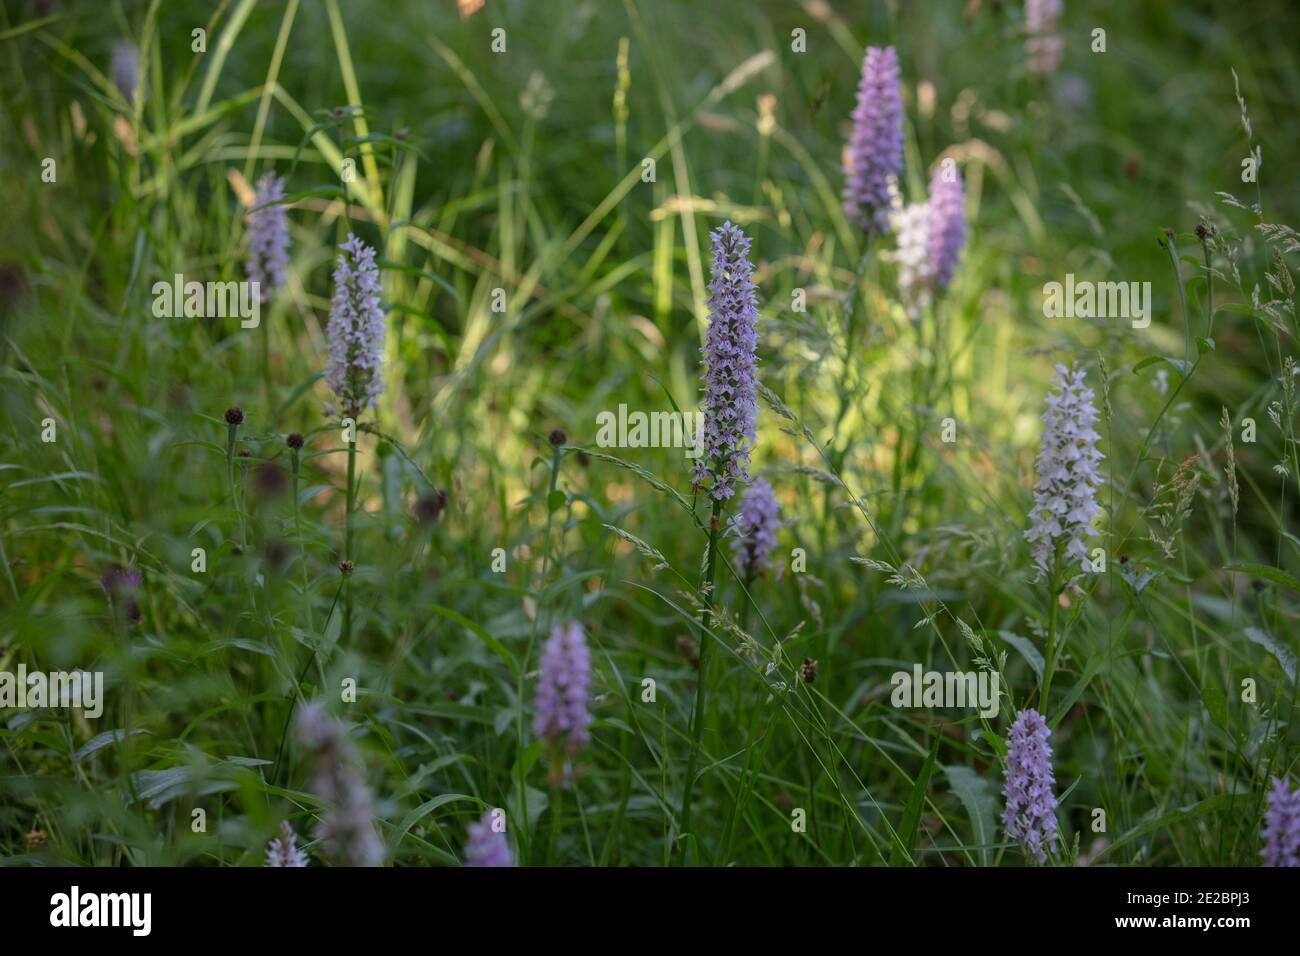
point(875, 148)
point(1282, 826)
point(560, 714)
point(126, 69)
point(355, 368)
point(947, 226)
point(356, 330)
point(268, 255)
point(947, 236)
point(730, 403)
point(1044, 44)
point(1065, 495)
point(873, 160)
point(1029, 816)
point(755, 529)
point(487, 846)
point(285, 851)
point(268, 238)
point(347, 829)
point(911, 226)
point(730, 409)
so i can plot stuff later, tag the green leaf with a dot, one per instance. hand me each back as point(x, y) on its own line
point(555, 500)
point(1239, 308)
point(244, 644)
point(1266, 572)
point(1181, 367)
point(312, 491)
point(997, 743)
point(478, 630)
point(903, 851)
point(1137, 576)
point(61, 476)
point(1026, 649)
point(323, 191)
point(976, 795)
point(297, 394)
point(552, 590)
point(159, 787)
point(423, 810)
point(100, 741)
point(1089, 672)
point(1204, 345)
point(437, 280)
point(1281, 653)
point(1151, 822)
point(1216, 702)
point(389, 141)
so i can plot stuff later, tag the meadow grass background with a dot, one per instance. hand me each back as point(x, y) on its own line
point(522, 171)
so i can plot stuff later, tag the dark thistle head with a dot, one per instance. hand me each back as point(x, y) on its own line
point(428, 508)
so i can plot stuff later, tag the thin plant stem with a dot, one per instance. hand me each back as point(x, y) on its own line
point(297, 530)
point(230, 475)
point(557, 810)
point(1172, 249)
point(266, 363)
point(1049, 664)
point(697, 715)
point(347, 538)
point(556, 455)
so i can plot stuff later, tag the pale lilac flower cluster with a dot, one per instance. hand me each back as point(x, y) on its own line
point(285, 850)
point(268, 238)
point(1065, 497)
point(1282, 826)
point(126, 68)
point(1029, 816)
point(911, 226)
point(947, 231)
point(730, 402)
point(560, 707)
point(356, 329)
point(347, 830)
point(1044, 44)
point(755, 527)
point(875, 149)
point(486, 846)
